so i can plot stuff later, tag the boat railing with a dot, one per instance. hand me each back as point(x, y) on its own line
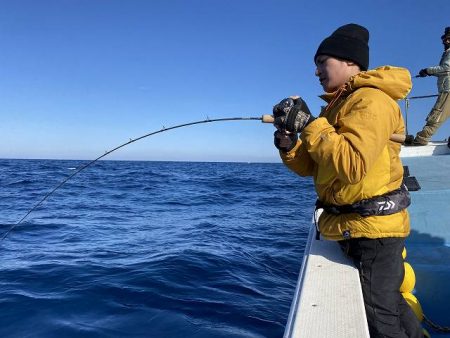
point(317, 305)
point(407, 99)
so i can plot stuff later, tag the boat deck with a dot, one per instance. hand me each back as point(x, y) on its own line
point(329, 283)
point(428, 246)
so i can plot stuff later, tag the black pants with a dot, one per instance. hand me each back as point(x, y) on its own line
point(381, 272)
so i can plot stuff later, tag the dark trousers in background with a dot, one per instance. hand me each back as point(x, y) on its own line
point(381, 272)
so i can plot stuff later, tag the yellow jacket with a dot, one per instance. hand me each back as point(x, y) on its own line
point(348, 152)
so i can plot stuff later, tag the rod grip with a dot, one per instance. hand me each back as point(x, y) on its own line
point(267, 119)
point(399, 138)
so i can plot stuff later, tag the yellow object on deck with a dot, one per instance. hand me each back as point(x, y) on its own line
point(409, 281)
point(414, 303)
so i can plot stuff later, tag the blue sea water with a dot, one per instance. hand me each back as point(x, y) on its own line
point(150, 249)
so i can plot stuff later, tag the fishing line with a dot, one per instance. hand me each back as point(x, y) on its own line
point(84, 166)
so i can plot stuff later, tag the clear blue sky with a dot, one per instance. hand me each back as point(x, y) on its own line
point(79, 77)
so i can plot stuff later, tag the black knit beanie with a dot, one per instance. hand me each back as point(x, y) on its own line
point(349, 42)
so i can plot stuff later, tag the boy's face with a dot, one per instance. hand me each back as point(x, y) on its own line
point(332, 72)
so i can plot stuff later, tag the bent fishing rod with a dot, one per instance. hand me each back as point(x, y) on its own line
point(265, 119)
point(88, 164)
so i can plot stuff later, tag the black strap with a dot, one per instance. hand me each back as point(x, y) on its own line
point(387, 204)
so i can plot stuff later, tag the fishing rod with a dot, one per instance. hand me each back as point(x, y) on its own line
point(437, 74)
point(265, 119)
point(398, 138)
point(421, 97)
point(87, 164)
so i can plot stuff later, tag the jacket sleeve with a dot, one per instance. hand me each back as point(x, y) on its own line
point(350, 149)
point(298, 160)
point(444, 66)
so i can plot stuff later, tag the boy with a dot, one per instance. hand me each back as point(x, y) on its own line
point(355, 166)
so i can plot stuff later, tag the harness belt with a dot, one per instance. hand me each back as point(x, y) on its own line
point(387, 204)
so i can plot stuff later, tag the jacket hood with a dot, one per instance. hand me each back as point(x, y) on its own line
point(394, 81)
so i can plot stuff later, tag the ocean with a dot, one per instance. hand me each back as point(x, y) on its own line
point(150, 249)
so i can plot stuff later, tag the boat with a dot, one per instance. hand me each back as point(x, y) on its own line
point(329, 282)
